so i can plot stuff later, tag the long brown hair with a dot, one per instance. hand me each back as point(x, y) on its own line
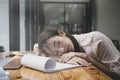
point(45, 36)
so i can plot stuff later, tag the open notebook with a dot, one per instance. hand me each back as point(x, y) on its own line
point(45, 64)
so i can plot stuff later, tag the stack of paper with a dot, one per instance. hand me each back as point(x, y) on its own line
point(45, 64)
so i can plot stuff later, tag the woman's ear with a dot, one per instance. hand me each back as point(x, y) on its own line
point(61, 33)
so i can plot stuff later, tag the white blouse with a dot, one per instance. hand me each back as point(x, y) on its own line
point(101, 48)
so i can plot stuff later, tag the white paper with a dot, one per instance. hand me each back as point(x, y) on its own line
point(45, 64)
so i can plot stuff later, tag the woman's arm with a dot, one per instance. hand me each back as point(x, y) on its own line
point(98, 64)
point(84, 59)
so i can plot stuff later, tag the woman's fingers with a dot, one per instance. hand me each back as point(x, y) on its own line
point(80, 61)
point(67, 56)
point(82, 55)
point(73, 62)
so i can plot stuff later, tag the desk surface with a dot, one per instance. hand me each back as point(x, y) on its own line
point(81, 73)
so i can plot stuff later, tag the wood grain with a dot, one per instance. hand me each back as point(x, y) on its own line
point(82, 73)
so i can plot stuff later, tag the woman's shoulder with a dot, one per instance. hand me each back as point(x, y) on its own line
point(88, 34)
point(97, 32)
point(85, 38)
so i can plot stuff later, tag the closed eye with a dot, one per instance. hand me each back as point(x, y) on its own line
point(56, 44)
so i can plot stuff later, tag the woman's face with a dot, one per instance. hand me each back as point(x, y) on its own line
point(59, 45)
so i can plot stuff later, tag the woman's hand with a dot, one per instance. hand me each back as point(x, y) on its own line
point(36, 49)
point(67, 56)
point(78, 61)
point(83, 59)
point(74, 58)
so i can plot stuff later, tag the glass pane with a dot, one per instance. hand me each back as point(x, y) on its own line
point(74, 13)
point(70, 17)
point(75, 17)
point(54, 15)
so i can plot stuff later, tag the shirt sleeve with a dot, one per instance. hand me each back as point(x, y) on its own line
point(106, 51)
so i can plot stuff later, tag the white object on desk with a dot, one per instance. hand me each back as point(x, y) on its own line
point(45, 64)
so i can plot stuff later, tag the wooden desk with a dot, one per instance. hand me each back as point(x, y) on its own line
point(82, 73)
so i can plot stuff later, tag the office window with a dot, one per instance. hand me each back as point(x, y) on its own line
point(28, 18)
point(71, 17)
